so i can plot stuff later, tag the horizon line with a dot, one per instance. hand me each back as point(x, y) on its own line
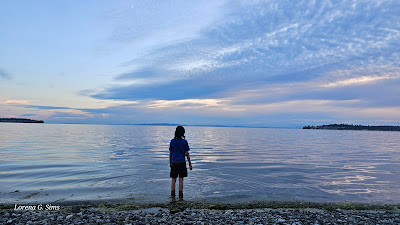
point(175, 124)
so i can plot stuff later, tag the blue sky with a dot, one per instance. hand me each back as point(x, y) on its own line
point(251, 63)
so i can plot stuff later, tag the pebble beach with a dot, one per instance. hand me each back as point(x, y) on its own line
point(157, 215)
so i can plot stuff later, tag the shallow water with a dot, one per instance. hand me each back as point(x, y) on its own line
point(59, 162)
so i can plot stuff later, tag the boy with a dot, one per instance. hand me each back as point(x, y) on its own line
point(178, 149)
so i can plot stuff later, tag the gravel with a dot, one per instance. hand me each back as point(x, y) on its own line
point(197, 216)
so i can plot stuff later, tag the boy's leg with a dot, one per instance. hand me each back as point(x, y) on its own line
point(180, 187)
point(173, 186)
point(180, 183)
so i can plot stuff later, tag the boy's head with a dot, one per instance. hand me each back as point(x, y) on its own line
point(180, 132)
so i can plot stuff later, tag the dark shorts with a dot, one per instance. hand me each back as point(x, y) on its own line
point(178, 169)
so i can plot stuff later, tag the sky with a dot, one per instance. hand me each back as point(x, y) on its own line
point(235, 63)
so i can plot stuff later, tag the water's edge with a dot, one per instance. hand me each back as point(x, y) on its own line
point(178, 205)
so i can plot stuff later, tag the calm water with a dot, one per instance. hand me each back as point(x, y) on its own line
point(54, 162)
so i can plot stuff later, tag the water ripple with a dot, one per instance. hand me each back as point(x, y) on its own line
point(81, 162)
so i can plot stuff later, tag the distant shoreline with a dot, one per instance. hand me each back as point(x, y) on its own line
point(19, 120)
point(353, 127)
point(173, 124)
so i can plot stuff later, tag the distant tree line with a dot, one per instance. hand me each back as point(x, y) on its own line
point(353, 127)
point(19, 120)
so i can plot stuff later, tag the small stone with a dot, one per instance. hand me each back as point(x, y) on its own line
point(9, 221)
point(59, 218)
point(99, 221)
point(76, 209)
point(29, 222)
point(68, 217)
point(281, 220)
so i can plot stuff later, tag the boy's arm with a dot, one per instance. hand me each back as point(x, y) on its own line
point(170, 153)
point(170, 156)
point(188, 158)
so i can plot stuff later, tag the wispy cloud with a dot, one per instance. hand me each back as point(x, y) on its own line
point(29, 114)
point(180, 89)
point(63, 116)
point(274, 42)
point(4, 74)
point(356, 81)
point(152, 25)
point(45, 107)
point(10, 101)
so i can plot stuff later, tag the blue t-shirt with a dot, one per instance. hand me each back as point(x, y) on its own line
point(178, 147)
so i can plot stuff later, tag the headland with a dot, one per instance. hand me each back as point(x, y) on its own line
point(19, 120)
point(353, 127)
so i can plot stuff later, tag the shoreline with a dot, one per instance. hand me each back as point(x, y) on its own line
point(178, 205)
point(187, 212)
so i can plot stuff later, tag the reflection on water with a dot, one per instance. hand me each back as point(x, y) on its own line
point(51, 162)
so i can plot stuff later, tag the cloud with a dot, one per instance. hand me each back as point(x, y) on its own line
point(45, 107)
point(28, 115)
point(10, 101)
point(5, 75)
point(216, 111)
point(51, 113)
point(152, 25)
point(356, 81)
point(268, 42)
point(227, 111)
point(141, 74)
point(186, 103)
point(181, 89)
point(62, 115)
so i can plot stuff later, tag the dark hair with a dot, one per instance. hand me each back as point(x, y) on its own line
point(179, 132)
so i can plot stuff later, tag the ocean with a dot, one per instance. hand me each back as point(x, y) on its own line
point(49, 163)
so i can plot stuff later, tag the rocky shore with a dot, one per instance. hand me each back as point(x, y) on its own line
point(157, 215)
